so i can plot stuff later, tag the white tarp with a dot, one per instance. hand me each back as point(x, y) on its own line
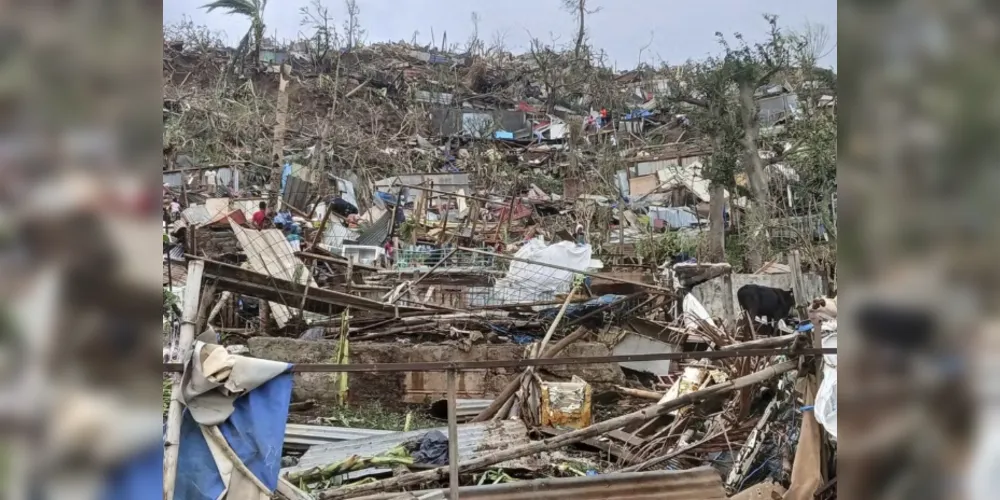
point(826, 396)
point(536, 283)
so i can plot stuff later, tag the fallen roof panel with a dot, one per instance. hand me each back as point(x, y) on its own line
point(473, 440)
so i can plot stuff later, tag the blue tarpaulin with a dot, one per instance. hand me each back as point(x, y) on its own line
point(284, 175)
point(388, 198)
point(577, 310)
point(639, 113)
point(255, 430)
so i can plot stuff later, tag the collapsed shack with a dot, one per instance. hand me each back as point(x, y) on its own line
point(741, 406)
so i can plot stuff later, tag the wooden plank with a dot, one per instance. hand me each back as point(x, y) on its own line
point(610, 448)
point(281, 291)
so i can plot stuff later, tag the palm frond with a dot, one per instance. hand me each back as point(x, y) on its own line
point(245, 7)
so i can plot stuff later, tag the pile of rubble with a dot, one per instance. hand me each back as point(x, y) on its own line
point(521, 257)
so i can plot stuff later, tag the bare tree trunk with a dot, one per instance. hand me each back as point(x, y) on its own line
point(759, 209)
point(278, 152)
point(717, 223)
point(582, 5)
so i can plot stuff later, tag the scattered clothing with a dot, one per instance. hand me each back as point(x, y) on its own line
point(431, 449)
point(295, 240)
point(284, 218)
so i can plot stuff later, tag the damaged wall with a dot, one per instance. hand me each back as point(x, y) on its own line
point(711, 294)
point(419, 387)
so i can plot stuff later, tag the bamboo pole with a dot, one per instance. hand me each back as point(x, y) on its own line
point(650, 412)
point(639, 393)
point(216, 435)
point(528, 373)
point(223, 299)
point(189, 313)
point(555, 322)
point(781, 341)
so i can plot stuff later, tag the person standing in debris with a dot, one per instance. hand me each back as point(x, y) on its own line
point(604, 117)
point(175, 209)
point(260, 215)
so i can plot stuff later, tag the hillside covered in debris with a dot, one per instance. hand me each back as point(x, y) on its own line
point(454, 268)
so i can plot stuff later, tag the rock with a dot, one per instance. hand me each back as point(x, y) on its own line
point(239, 350)
point(289, 462)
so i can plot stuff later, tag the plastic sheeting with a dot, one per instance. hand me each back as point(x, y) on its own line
point(693, 309)
point(574, 311)
point(826, 395)
point(536, 283)
point(255, 430)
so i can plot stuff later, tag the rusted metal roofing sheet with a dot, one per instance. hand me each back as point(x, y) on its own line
point(703, 483)
point(473, 440)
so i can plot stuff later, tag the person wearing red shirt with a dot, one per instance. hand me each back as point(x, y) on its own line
point(260, 216)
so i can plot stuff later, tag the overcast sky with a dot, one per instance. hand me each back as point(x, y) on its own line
point(674, 30)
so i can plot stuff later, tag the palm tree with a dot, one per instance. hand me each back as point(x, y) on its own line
point(253, 9)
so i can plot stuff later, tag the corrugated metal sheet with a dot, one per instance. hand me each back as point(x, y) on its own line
point(312, 435)
point(268, 252)
point(652, 167)
point(433, 97)
point(297, 192)
point(688, 176)
point(376, 234)
point(473, 440)
point(703, 483)
point(336, 235)
point(465, 409)
point(196, 215)
point(172, 179)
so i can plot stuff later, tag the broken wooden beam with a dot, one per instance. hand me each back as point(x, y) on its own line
point(650, 412)
point(319, 300)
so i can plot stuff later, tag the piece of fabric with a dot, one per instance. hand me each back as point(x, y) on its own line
point(254, 430)
point(213, 379)
point(432, 449)
point(807, 475)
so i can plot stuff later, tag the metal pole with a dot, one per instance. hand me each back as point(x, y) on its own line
point(452, 438)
